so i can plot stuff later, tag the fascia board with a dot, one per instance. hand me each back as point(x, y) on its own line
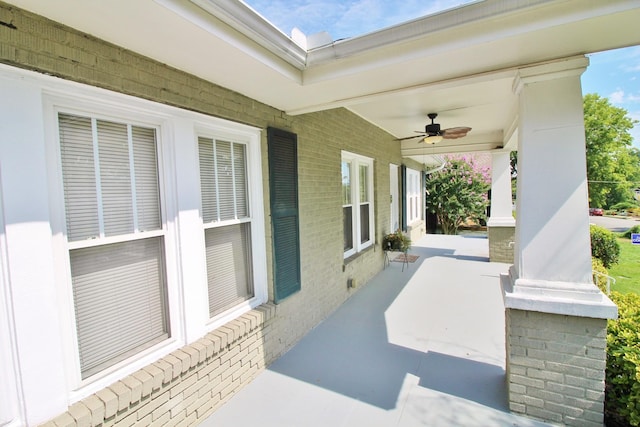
point(242, 18)
point(447, 20)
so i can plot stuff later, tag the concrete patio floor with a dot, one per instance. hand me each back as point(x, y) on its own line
point(419, 347)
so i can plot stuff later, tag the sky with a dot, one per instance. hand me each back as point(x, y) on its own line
point(614, 75)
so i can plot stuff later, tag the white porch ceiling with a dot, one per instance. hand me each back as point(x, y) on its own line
point(460, 63)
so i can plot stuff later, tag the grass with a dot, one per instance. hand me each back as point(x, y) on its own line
point(627, 271)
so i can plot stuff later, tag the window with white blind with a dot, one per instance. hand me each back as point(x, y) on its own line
point(227, 223)
point(414, 198)
point(357, 202)
point(115, 237)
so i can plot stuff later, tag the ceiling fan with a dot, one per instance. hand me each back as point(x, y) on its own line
point(433, 134)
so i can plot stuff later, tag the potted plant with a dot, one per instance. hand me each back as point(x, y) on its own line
point(397, 241)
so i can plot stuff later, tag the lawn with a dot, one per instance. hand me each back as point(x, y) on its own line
point(627, 271)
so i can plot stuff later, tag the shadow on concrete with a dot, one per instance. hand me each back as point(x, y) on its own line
point(479, 382)
point(469, 258)
point(350, 353)
point(419, 347)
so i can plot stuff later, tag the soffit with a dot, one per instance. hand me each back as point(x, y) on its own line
point(459, 63)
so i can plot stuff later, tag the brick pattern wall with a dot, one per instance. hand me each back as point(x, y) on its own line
point(321, 139)
point(556, 367)
point(185, 386)
point(35, 43)
point(501, 244)
point(32, 42)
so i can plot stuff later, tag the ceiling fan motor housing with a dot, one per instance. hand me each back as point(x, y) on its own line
point(432, 129)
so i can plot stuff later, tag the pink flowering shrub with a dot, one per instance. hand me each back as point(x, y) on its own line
point(458, 192)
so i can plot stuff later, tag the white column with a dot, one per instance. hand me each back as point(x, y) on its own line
point(552, 260)
point(501, 191)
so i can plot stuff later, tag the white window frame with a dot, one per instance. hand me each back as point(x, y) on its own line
point(131, 114)
point(413, 196)
point(185, 267)
point(357, 161)
point(250, 138)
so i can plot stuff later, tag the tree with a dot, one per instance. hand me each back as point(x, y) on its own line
point(613, 165)
point(513, 161)
point(457, 192)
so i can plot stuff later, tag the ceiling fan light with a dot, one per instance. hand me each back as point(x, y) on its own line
point(433, 139)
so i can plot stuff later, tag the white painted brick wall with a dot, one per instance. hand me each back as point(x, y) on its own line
point(185, 386)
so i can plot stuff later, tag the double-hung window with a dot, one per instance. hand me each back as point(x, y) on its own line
point(227, 223)
point(414, 199)
point(357, 202)
point(115, 238)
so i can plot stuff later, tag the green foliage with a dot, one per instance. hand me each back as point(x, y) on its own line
point(627, 271)
point(623, 206)
point(622, 396)
point(396, 242)
point(513, 163)
point(457, 192)
point(613, 165)
point(596, 265)
point(599, 279)
point(604, 246)
point(634, 229)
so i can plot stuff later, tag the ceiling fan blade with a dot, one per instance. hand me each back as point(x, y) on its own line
point(453, 135)
point(460, 129)
point(411, 137)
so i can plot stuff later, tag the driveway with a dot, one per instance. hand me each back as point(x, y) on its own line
point(616, 224)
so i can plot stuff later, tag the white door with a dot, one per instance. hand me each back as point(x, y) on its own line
point(394, 217)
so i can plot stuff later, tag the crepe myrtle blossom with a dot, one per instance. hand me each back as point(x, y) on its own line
point(458, 192)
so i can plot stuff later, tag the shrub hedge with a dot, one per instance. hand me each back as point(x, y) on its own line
point(623, 206)
point(599, 279)
point(622, 393)
point(604, 245)
point(634, 229)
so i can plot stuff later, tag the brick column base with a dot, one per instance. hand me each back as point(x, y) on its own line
point(501, 239)
point(556, 367)
point(416, 231)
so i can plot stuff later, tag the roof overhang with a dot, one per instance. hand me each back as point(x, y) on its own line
point(459, 63)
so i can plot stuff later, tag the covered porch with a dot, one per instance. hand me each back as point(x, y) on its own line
point(508, 70)
point(423, 346)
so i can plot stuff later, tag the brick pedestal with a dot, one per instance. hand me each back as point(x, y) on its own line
point(501, 243)
point(556, 367)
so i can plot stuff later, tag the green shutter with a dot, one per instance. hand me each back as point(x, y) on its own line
point(283, 185)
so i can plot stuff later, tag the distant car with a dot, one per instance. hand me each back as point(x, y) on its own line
point(596, 211)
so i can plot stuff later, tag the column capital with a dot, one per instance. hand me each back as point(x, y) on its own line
point(501, 221)
point(573, 66)
point(573, 299)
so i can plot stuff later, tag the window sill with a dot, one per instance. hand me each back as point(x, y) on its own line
point(357, 255)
